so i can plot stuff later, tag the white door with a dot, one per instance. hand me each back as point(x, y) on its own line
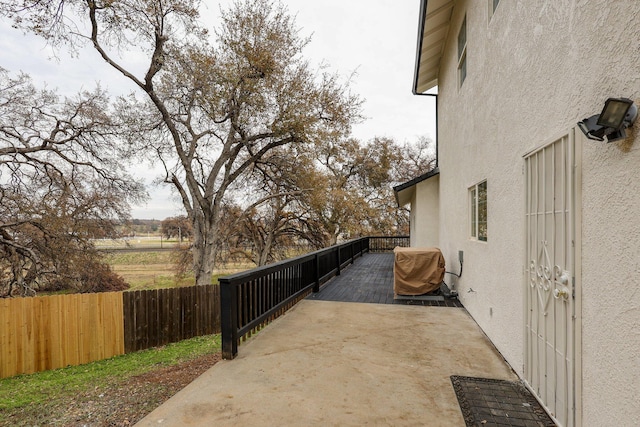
point(551, 272)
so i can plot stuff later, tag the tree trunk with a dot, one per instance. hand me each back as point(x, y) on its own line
point(204, 250)
point(333, 235)
point(266, 250)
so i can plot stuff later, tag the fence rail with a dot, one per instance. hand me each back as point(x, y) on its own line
point(251, 299)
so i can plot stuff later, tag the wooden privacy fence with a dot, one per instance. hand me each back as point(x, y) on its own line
point(43, 333)
point(161, 316)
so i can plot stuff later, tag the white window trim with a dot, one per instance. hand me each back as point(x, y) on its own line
point(474, 214)
point(462, 53)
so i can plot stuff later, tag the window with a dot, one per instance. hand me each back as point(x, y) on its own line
point(462, 52)
point(493, 5)
point(478, 211)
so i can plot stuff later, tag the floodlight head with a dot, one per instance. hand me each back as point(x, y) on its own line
point(617, 115)
point(617, 112)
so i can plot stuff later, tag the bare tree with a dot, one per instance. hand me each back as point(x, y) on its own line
point(214, 110)
point(417, 158)
point(272, 220)
point(353, 175)
point(61, 180)
point(338, 190)
point(354, 191)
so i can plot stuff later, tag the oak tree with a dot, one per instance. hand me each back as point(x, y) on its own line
point(61, 182)
point(178, 227)
point(273, 220)
point(209, 111)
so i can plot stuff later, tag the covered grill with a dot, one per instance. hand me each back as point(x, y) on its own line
point(417, 271)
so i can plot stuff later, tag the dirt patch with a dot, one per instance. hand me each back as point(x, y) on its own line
point(121, 403)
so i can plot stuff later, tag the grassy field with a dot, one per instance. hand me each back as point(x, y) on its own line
point(155, 270)
point(145, 242)
point(147, 270)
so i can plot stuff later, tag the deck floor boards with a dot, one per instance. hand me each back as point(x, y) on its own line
point(369, 280)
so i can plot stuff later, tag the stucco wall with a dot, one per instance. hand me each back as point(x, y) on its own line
point(425, 226)
point(533, 70)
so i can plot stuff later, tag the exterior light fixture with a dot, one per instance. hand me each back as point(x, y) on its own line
point(617, 115)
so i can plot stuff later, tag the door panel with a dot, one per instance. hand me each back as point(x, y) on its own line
point(550, 277)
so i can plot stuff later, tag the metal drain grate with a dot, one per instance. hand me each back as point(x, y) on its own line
point(491, 402)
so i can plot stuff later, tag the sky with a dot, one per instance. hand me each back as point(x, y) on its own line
point(375, 39)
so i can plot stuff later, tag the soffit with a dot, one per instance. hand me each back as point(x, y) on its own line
point(435, 19)
point(404, 192)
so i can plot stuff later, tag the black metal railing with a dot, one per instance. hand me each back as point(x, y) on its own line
point(387, 243)
point(251, 299)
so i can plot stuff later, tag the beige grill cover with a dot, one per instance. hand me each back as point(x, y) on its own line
point(417, 271)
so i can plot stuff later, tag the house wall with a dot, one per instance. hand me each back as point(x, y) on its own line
point(425, 208)
point(533, 71)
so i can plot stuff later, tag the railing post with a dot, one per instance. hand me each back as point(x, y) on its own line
point(338, 258)
point(228, 318)
point(353, 251)
point(316, 270)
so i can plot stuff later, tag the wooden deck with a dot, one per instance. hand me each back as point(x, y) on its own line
point(370, 280)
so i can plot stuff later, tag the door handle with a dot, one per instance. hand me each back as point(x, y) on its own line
point(562, 292)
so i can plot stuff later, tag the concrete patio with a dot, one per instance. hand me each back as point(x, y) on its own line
point(340, 363)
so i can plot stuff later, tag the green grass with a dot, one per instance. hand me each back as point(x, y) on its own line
point(43, 387)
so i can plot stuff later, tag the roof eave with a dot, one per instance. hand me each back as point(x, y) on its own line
point(433, 29)
point(421, 21)
point(412, 183)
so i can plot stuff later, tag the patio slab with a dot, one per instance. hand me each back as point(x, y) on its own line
point(337, 363)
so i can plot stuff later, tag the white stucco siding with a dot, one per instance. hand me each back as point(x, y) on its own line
point(425, 222)
point(532, 72)
point(477, 143)
point(611, 283)
point(413, 214)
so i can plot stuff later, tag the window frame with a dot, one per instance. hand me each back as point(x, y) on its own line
point(493, 5)
point(462, 52)
point(478, 212)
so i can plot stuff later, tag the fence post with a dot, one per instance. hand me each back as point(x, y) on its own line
point(316, 271)
point(338, 258)
point(228, 318)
